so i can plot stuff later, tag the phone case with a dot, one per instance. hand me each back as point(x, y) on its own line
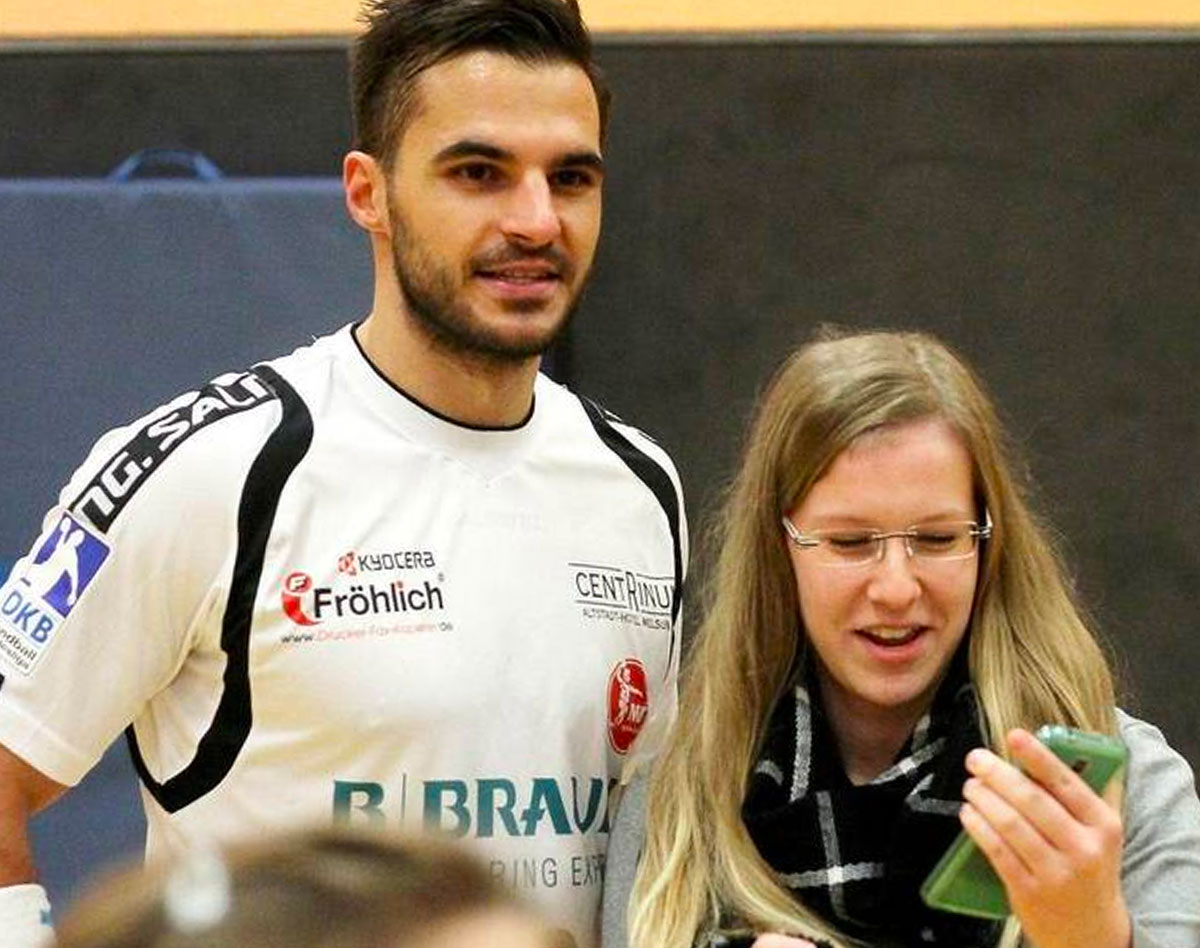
point(735, 939)
point(963, 880)
point(744, 938)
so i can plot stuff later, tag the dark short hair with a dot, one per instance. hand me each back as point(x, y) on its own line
point(403, 38)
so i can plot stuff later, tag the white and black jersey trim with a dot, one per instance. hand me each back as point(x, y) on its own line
point(651, 473)
point(218, 749)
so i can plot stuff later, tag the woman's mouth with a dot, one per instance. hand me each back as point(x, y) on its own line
point(892, 636)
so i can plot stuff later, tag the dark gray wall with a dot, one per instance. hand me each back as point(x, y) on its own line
point(274, 109)
point(1035, 202)
point(1037, 205)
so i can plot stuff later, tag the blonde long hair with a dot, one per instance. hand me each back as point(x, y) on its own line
point(1032, 657)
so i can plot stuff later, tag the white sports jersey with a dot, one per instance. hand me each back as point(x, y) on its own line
point(317, 601)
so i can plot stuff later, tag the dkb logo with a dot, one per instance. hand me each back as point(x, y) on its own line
point(36, 599)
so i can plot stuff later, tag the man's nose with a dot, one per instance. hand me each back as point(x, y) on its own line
point(530, 216)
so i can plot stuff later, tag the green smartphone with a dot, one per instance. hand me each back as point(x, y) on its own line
point(963, 880)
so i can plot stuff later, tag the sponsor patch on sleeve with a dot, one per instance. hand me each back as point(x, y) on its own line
point(41, 592)
point(628, 702)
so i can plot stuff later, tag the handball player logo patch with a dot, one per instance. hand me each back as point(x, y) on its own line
point(34, 601)
point(628, 702)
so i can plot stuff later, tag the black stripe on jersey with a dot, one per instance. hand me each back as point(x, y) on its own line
point(223, 741)
point(116, 483)
point(652, 474)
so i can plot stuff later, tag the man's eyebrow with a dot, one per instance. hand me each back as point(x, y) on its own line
point(473, 149)
point(468, 148)
point(585, 159)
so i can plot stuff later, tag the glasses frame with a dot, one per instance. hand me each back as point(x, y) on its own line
point(879, 538)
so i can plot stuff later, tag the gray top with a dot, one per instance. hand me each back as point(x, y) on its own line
point(1160, 871)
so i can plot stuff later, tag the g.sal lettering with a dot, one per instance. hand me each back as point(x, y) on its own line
point(111, 489)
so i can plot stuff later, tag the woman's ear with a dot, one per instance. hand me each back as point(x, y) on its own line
point(366, 192)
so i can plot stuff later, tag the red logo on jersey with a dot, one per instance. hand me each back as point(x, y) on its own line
point(347, 564)
point(628, 702)
point(295, 586)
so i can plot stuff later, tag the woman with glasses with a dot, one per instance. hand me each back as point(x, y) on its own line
point(886, 624)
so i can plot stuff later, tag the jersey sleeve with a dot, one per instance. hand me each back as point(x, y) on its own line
point(128, 569)
point(658, 472)
point(665, 706)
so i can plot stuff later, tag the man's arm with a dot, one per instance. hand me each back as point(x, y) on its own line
point(23, 791)
point(24, 910)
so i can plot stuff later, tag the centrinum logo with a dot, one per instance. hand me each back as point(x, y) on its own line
point(622, 589)
point(306, 604)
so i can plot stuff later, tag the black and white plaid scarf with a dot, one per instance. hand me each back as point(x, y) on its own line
point(857, 855)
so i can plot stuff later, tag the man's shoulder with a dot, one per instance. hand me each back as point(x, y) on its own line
point(314, 355)
point(126, 459)
point(599, 420)
point(199, 439)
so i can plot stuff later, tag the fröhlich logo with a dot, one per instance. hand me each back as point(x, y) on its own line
point(307, 604)
point(39, 595)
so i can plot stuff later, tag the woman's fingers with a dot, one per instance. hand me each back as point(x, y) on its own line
point(774, 940)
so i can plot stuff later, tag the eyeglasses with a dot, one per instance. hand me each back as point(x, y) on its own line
point(930, 542)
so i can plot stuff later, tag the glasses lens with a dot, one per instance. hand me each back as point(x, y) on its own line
point(933, 541)
point(943, 541)
point(848, 547)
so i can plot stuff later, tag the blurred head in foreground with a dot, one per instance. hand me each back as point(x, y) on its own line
point(320, 889)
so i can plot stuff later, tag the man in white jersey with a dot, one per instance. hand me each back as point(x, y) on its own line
point(397, 577)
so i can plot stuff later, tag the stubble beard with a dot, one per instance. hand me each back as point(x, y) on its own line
point(435, 301)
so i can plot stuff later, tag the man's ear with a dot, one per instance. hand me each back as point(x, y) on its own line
point(366, 192)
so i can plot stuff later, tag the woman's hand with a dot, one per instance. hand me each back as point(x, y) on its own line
point(1055, 844)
